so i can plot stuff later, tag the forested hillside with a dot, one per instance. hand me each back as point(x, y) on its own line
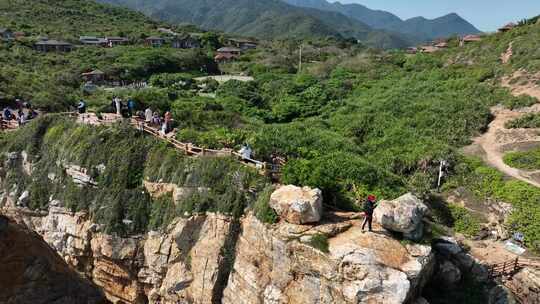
point(265, 19)
point(53, 80)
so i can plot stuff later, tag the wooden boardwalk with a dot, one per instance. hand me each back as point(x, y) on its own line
point(264, 168)
point(268, 169)
point(506, 270)
point(511, 267)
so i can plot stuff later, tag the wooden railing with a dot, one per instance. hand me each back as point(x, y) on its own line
point(268, 169)
point(506, 270)
point(511, 267)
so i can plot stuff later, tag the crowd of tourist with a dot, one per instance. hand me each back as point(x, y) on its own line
point(20, 114)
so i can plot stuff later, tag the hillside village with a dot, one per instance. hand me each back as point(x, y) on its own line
point(149, 162)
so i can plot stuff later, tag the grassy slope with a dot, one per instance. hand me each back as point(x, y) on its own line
point(70, 19)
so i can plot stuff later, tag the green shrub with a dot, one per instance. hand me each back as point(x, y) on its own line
point(527, 160)
point(262, 209)
point(320, 242)
point(464, 221)
point(521, 101)
point(531, 120)
point(162, 212)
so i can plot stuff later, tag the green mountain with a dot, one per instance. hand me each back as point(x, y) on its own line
point(263, 19)
point(419, 27)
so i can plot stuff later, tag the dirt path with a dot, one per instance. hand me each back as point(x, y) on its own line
point(497, 140)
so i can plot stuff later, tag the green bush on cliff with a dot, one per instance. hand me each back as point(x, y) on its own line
point(531, 120)
point(118, 158)
point(262, 208)
point(319, 241)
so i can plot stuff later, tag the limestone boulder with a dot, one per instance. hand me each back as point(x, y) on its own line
point(421, 301)
point(526, 284)
point(500, 294)
point(24, 199)
point(358, 268)
point(297, 205)
point(80, 176)
point(404, 214)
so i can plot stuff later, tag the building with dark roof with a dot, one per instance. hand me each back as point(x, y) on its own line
point(53, 46)
point(91, 40)
point(154, 41)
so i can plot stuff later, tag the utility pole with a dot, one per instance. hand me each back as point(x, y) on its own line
point(300, 60)
point(441, 173)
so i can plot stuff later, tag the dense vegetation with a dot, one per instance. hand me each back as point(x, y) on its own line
point(119, 159)
point(529, 121)
point(53, 81)
point(527, 160)
point(488, 183)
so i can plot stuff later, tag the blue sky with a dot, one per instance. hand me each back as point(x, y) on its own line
point(487, 15)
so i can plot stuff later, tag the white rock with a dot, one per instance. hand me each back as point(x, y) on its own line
point(404, 214)
point(297, 205)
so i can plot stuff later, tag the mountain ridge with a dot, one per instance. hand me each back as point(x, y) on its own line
point(422, 28)
point(265, 19)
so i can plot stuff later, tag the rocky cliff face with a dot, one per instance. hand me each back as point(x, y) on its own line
point(31, 272)
point(526, 285)
point(211, 258)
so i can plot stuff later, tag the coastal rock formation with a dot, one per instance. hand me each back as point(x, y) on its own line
point(359, 268)
point(449, 251)
point(526, 285)
point(212, 258)
point(32, 272)
point(208, 258)
point(404, 214)
point(297, 205)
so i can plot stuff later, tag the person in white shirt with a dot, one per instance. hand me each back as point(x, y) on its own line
point(118, 105)
point(148, 115)
point(246, 151)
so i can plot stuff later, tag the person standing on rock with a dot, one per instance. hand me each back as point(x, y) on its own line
point(369, 207)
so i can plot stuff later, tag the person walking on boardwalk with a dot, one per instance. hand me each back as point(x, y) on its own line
point(245, 151)
point(118, 105)
point(22, 117)
point(167, 120)
point(369, 208)
point(148, 114)
point(81, 107)
point(130, 106)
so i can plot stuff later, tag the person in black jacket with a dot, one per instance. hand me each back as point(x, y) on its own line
point(369, 207)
